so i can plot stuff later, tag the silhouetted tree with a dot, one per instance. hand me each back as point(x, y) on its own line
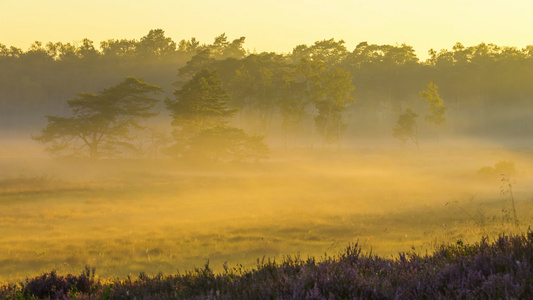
point(329, 88)
point(201, 103)
point(329, 52)
point(189, 46)
point(406, 128)
point(292, 105)
point(200, 112)
point(156, 45)
point(100, 123)
point(485, 82)
point(257, 85)
point(222, 49)
point(201, 60)
point(436, 105)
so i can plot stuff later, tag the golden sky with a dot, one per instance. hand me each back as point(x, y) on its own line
point(274, 25)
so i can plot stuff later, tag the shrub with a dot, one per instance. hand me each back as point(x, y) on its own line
point(502, 269)
point(501, 167)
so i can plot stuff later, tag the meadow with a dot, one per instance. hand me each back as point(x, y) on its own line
point(130, 216)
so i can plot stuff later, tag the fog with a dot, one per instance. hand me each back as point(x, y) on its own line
point(149, 155)
point(127, 216)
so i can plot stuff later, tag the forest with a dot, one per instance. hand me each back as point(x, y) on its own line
point(214, 171)
point(316, 95)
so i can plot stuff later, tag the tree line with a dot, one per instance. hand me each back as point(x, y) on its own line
point(107, 123)
point(315, 90)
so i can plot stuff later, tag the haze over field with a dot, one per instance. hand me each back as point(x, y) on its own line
point(126, 217)
point(139, 137)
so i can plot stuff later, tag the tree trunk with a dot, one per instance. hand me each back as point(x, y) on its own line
point(93, 150)
point(326, 127)
point(93, 147)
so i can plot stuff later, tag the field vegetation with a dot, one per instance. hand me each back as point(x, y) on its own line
point(156, 156)
point(499, 269)
point(130, 216)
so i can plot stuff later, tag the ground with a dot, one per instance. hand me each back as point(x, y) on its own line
point(128, 216)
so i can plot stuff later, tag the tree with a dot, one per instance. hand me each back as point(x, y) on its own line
point(100, 121)
point(256, 86)
point(156, 45)
point(201, 60)
point(436, 107)
point(223, 49)
point(201, 103)
point(189, 46)
point(113, 49)
point(330, 91)
point(292, 106)
point(406, 128)
point(200, 113)
point(329, 52)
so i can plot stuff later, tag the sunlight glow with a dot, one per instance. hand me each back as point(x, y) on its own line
point(273, 25)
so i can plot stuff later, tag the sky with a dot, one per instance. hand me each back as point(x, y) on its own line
point(274, 25)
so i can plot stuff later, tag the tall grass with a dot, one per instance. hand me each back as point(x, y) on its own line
point(501, 269)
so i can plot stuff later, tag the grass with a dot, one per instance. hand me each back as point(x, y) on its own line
point(126, 217)
point(497, 269)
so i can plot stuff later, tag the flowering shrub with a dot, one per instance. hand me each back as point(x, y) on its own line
point(502, 269)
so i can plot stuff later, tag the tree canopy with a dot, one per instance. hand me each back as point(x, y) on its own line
point(406, 127)
point(285, 93)
point(200, 104)
point(100, 123)
point(200, 112)
point(436, 107)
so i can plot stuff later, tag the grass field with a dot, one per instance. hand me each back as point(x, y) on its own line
point(128, 216)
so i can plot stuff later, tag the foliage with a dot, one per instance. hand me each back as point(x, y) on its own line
point(436, 107)
point(222, 143)
point(200, 112)
point(200, 104)
point(481, 83)
point(201, 60)
point(325, 51)
point(100, 122)
point(329, 89)
point(331, 98)
point(406, 128)
point(292, 110)
point(54, 286)
point(258, 83)
point(156, 45)
point(499, 270)
point(222, 48)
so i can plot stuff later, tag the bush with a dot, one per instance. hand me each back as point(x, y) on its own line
point(501, 167)
point(499, 270)
point(223, 143)
point(51, 285)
